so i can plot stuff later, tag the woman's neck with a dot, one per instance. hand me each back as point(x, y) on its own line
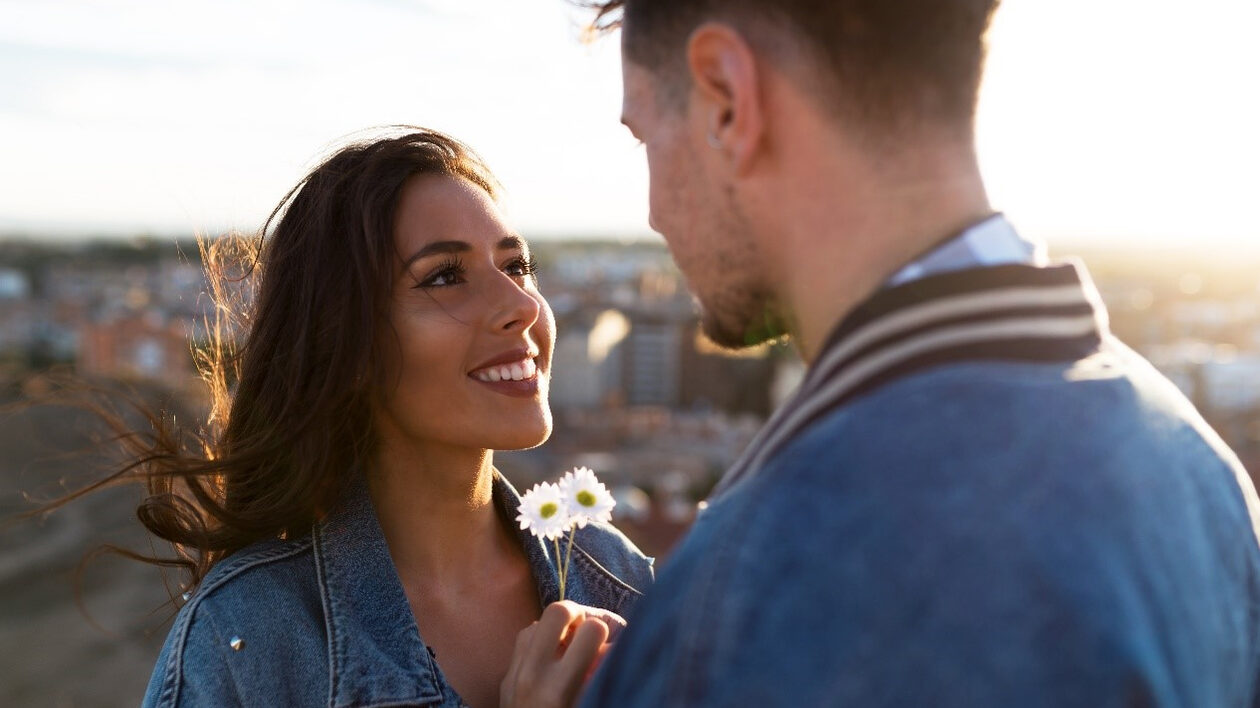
point(464, 574)
point(436, 509)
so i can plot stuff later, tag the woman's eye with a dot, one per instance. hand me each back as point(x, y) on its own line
point(446, 276)
point(521, 268)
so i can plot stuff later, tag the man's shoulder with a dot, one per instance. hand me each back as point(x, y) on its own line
point(1054, 474)
point(1098, 446)
point(1021, 530)
point(995, 413)
point(1088, 497)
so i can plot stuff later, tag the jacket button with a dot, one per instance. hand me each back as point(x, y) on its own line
point(236, 643)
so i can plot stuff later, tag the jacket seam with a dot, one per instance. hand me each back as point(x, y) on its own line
point(329, 629)
point(607, 573)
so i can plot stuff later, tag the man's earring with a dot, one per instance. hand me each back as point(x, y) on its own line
point(714, 142)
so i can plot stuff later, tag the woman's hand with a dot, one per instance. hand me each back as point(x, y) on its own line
point(556, 655)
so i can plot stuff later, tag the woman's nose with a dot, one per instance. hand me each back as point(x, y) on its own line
point(514, 307)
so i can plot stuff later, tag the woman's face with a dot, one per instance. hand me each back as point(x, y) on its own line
point(469, 358)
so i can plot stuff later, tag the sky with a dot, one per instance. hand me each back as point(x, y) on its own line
point(1102, 122)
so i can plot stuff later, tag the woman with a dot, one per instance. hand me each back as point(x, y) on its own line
point(350, 540)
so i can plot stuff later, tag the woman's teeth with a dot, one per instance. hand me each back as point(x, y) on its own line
point(519, 371)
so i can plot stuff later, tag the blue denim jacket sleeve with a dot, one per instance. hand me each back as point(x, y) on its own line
point(192, 669)
point(964, 539)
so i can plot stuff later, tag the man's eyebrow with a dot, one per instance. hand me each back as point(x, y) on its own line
point(438, 247)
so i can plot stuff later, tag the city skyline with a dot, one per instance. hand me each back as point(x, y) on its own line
point(1116, 123)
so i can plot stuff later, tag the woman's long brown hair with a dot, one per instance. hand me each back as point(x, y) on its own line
point(290, 415)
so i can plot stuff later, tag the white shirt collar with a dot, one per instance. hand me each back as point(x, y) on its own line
point(990, 242)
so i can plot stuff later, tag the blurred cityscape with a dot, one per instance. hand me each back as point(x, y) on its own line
point(638, 394)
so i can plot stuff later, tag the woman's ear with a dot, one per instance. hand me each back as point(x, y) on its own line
point(727, 94)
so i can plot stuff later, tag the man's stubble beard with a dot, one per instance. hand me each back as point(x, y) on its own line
point(740, 310)
point(741, 318)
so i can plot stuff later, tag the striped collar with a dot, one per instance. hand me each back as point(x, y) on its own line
point(1006, 312)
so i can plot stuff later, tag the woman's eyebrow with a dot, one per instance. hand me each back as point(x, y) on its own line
point(505, 243)
point(445, 247)
point(508, 243)
point(438, 247)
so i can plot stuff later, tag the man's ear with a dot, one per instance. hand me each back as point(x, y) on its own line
point(728, 95)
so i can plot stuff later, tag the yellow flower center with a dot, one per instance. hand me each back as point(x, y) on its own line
point(585, 498)
point(548, 510)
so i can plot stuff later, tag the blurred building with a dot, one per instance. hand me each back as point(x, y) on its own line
point(148, 346)
point(587, 368)
point(14, 285)
point(639, 393)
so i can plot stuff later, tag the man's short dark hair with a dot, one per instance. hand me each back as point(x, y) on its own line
point(883, 64)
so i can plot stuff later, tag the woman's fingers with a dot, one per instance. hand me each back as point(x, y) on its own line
point(554, 656)
point(578, 659)
point(555, 627)
point(599, 659)
point(615, 622)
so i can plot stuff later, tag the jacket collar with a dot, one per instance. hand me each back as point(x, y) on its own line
point(589, 582)
point(1012, 312)
point(375, 652)
point(542, 561)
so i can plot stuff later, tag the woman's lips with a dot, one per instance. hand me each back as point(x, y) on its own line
point(513, 371)
point(519, 378)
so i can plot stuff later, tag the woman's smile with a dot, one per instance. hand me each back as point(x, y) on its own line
point(514, 373)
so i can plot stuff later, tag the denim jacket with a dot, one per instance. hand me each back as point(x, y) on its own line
point(978, 498)
point(323, 620)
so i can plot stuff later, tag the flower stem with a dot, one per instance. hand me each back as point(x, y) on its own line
point(563, 569)
point(568, 555)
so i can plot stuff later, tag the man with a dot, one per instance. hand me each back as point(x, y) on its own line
point(978, 496)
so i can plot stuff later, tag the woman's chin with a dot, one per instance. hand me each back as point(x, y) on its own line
point(525, 440)
point(522, 434)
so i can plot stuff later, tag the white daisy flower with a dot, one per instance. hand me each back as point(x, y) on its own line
point(588, 499)
point(543, 512)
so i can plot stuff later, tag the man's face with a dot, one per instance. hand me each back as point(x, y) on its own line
point(692, 204)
